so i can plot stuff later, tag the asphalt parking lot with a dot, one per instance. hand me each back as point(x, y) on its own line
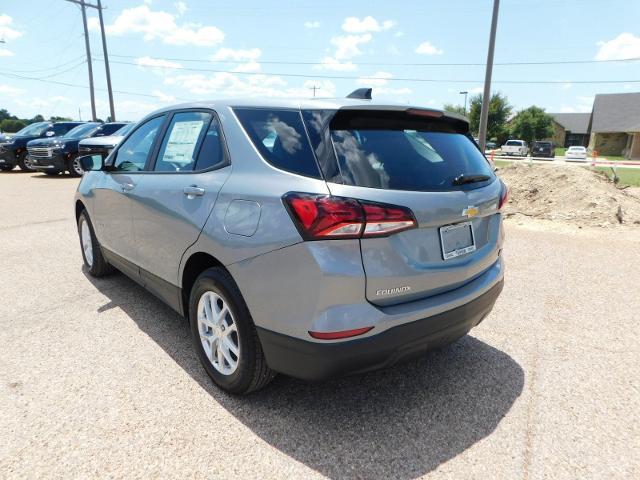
point(98, 378)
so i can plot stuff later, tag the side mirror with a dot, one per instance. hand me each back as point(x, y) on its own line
point(50, 133)
point(91, 162)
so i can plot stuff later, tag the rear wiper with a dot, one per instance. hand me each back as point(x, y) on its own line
point(463, 179)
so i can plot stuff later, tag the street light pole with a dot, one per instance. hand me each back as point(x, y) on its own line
point(484, 112)
point(465, 102)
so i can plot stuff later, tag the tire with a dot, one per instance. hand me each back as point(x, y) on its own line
point(6, 168)
point(251, 372)
point(93, 259)
point(24, 163)
point(73, 166)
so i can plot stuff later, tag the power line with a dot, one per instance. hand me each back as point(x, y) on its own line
point(397, 64)
point(392, 79)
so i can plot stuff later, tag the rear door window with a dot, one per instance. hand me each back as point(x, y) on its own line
point(182, 142)
point(280, 137)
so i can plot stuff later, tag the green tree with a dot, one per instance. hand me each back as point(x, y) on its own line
point(12, 126)
point(37, 118)
point(449, 107)
point(59, 119)
point(531, 124)
point(5, 115)
point(499, 111)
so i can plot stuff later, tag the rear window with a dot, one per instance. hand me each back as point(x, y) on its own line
point(513, 143)
point(281, 139)
point(400, 152)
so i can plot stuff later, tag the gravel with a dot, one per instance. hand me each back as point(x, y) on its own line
point(98, 379)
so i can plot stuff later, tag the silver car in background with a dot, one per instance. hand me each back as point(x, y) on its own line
point(316, 239)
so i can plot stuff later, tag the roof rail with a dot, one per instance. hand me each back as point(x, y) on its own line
point(361, 93)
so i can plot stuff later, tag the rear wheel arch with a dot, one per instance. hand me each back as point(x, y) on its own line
point(196, 264)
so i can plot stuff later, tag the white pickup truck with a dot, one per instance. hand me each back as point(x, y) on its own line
point(515, 147)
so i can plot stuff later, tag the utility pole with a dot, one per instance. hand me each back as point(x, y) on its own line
point(314, 88)
point(89, 65)
point(106, 63)
point(83, 4)
point(484, 112)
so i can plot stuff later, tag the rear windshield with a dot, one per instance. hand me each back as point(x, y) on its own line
point(543, 144)
point(514, 143)
point(406, 159)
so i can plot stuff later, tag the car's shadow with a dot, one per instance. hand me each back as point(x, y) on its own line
point(399, 423)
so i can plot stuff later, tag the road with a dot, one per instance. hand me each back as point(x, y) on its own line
point(98, 379)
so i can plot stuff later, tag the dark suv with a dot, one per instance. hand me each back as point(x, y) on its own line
point(57, 154)
point(543, 149)
point(14, 152)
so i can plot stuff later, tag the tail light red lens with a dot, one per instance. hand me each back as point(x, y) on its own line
point(504, 196)
point(339, 335)
point(320, 217)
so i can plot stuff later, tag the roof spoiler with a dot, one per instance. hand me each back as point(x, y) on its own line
point(361, 93)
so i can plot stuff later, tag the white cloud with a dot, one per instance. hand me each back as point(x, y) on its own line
point(163, 97)
point(376, 80)
point(330, 63)
point(6, 53)
point(247, 67)
point(181, 7)
point(6, 32)
point(347, 46)
point(162, 25)
point(229, 84)
point(93, 24)
point(236, 55)
point(157, 63)
point(367, 24)
point(567, 85)
point(583, 104)
point(11, 91)
point(314, 24)
point(399, 33)
point(625, 45)
point(59, 98)
point(476, 90)
point(426, 48)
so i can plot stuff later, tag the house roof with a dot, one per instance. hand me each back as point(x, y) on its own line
point(573, 122)
point(616, 112)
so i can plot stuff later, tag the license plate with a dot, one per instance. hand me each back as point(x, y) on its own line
point(457, 240)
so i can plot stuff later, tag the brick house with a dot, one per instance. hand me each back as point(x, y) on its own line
point(614, 126)
point(570, 129)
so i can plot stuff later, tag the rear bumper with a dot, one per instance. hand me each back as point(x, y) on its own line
point(316, 361)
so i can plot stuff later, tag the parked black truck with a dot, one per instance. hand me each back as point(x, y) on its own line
point(55, 155)
point(14, 151)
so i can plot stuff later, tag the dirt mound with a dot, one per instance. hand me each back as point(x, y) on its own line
point(571, 194)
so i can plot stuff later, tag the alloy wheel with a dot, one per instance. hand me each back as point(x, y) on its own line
point(218, 332)
point(87, 245)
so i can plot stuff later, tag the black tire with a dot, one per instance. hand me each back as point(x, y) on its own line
point(71, 168)
point(6, 168)
point(98, 267)
point(252, 372)
point(23, 164)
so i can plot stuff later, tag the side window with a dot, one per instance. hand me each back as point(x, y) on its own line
point(108, 129)
point(280, 137)
point(182, 141)
point(60, 129)
point(132, 154)
point(212, 150)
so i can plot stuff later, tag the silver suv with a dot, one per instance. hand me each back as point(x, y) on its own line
point(315, 239)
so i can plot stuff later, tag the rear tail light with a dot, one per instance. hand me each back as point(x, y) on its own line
point(321, 217)
point(504, 196)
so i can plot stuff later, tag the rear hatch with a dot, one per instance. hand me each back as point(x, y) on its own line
point(426, 161)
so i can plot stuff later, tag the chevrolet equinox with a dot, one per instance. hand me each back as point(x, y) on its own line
point(315, 239)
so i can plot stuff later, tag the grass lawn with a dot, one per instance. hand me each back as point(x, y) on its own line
point(628, 176)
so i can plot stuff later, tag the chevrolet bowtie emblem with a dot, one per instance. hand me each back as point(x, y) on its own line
point(470, 212)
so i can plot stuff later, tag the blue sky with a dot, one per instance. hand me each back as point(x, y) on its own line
point(167, 51)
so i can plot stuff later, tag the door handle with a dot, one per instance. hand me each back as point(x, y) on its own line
point(193, 191)
point(127, 186)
